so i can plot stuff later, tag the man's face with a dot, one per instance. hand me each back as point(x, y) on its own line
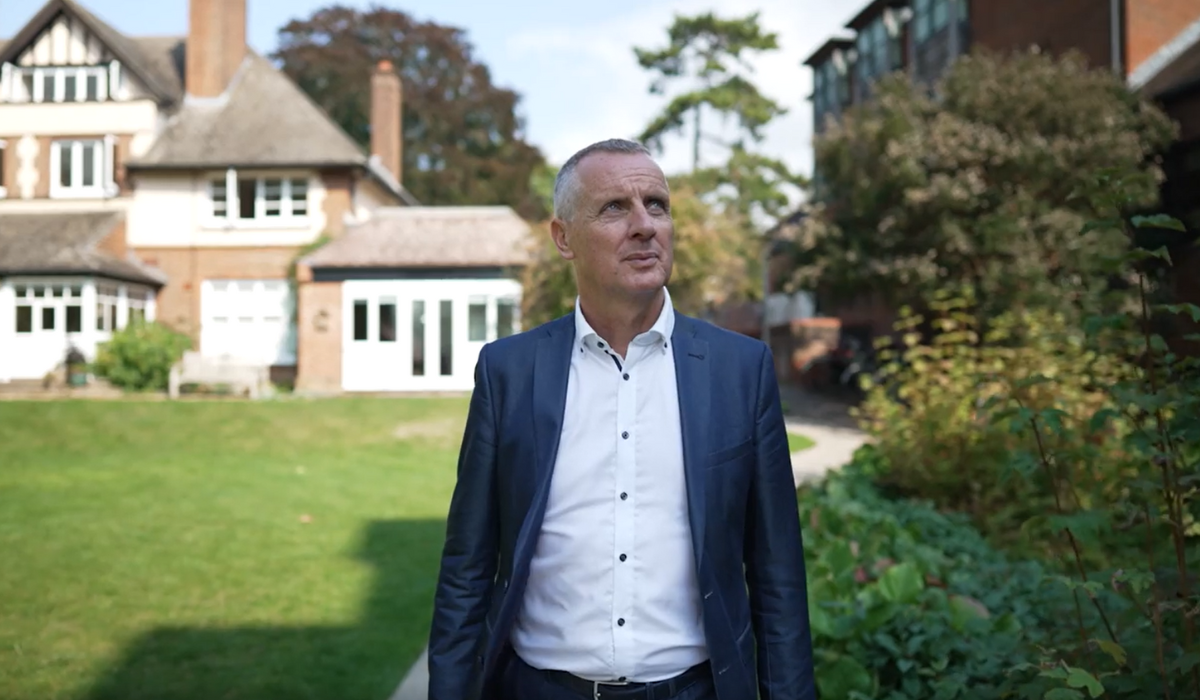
point(620, 235)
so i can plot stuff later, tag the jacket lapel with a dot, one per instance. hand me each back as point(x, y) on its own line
point(693, 387)
point(551, 365)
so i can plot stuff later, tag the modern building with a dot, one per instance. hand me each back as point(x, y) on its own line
point(1153, 44)
point(182, 179)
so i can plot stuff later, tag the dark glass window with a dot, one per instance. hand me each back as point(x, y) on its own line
point(360, 319)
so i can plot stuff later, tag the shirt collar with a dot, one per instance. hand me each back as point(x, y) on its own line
point(658, 333)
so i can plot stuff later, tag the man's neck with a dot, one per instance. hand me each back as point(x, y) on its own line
point(621, 320)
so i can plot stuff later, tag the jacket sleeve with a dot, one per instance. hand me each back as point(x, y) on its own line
point(774, 554)
point(469, 556)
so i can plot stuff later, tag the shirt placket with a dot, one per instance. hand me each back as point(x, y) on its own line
point(625, 502)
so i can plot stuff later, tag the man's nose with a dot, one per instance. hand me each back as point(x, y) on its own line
point(641, 223)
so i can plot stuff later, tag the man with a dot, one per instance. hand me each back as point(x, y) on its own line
point(624, 523)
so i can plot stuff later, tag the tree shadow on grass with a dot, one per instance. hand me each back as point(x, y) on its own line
point(365, 661)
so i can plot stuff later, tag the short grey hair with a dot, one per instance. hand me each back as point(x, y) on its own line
point(566, 185)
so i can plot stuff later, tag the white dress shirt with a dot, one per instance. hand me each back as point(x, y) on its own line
point(612, 591)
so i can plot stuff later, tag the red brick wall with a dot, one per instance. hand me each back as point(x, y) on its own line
point(1007, 25)
point(339, 200)
point(319, 342)
point(1153, 23)
point(186, 268)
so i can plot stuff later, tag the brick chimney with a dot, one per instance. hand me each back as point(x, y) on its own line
point(216, 45)
point(386, 118)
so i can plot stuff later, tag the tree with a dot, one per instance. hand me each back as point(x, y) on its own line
point(988, 184)
point(463, 141)
point(707, 49)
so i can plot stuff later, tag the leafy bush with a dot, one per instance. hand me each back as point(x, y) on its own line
point(139, 357)
point(929, 411)
point(906, 602)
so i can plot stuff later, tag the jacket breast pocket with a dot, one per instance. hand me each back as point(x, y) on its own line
point(731, 454)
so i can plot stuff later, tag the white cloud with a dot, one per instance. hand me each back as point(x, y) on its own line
point(588, 85)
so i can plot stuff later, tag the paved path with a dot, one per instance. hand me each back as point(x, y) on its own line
point(824, 422)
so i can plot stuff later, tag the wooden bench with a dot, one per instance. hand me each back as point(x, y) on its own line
point(240, 375)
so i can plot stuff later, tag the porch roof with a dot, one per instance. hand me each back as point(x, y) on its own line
point(422, 237)
point(68, 244)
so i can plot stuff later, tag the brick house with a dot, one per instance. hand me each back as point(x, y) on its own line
point(181, 179)
point(1153, 44)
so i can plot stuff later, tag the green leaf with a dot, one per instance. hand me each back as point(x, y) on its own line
point(838, 558)
point(1079, 678)
point(1158, 221)
point(1062, 694)
point(1103, 224)
point(843, 676)
point(901, 583)
point(1116, 651)
point(1183, 309)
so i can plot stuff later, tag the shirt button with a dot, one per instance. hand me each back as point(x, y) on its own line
point(624, 495)
point(599, 345)
point(620, 622)
point(625, 376)
point(622, 557)
point(625, 435)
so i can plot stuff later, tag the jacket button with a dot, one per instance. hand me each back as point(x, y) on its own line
point(506, 584)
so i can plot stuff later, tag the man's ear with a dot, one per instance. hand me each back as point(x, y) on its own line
point(558, 231)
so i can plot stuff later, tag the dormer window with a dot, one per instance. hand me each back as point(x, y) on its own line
point(239, 199)
point(59, 83)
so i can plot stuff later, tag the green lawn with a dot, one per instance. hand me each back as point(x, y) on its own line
point(161, 550)
point(797, 442)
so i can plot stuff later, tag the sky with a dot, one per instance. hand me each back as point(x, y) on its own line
point(571, 61)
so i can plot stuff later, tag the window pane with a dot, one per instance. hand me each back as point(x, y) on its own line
point(100, 316)
point(77, 291)
point(24, 319)
point(272, 197)
point(447, 332)
point(505, 316)
point(360, 319)
point(111, 308)
point(247, 191)
point(74, 319)
point(93, 87)
point(387, 321)
point(64, 163)
point(300, 197)
point(47, 318)
point(220, 199)
point(69, 81)
point(27, 83)
point(89, 164)
point(418, 339)
point(21, 290)
point(940, 14)
point(47, 86)
point(477, 321)
point(136, 315)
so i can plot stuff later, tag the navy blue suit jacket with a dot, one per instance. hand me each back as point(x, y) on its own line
point(741, 504)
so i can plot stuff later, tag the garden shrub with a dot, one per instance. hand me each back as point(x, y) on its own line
point(907, 602)
point(139, 357)
point(929, 412)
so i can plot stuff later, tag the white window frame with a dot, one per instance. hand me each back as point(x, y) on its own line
point(287, 216)
point(13, 75)
point(102, 167)
point(3, 155)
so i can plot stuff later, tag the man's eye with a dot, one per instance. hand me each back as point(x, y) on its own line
point(612, 205)
point(658, 204)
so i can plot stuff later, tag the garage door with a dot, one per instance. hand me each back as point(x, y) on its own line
point(248, 319)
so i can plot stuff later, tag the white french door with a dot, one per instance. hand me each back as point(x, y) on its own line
point(421, 335)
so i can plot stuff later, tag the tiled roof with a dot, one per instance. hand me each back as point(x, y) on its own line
point(264, 119)
point(404, 237)
point(67, 244)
